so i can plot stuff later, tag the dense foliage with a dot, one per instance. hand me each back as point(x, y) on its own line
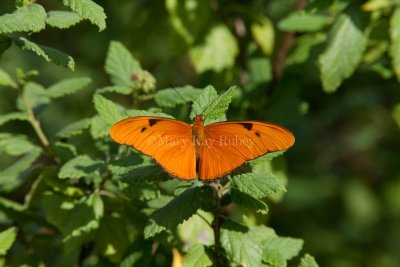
point(327, 70)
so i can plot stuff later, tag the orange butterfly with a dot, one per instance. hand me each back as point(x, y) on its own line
point(213, 151)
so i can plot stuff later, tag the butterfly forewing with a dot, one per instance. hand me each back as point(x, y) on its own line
point(167, 141)
point(228, 145)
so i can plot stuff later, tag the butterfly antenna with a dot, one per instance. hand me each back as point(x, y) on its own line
point(184, 100)
point(209, 104)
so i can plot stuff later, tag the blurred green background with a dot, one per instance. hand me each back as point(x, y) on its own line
point(343, 194)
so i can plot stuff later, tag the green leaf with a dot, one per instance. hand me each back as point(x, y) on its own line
point(13, 116)
point(48, 53)
point(211, 106)
point(5, 43)
point(109, 111)
point(212, 55)
point(33, 97)
point(74, 128)
point(62, 19)
point(89, 10)
point(197, 257)
point(277, 250)
point(175, 212)
point(308, 261)
point(120, 65)
point(341, 58)
point(257, 185)
point(240, 245)
point(76, 220)
point(29, 18)
point(79, 167)
point(395, 40)
point(260, 70)
point(189, 20)
point(6, 80)
point(264, 35)
point(7, 238)
point(219, 106)
point(171, 98)
point(112, 237)
point(135, 112)
point(248, 201)
point(99, 127)
point(67, 87)
point(396, 114)
point(119, 89)
point(64, 151)
point(303, 22)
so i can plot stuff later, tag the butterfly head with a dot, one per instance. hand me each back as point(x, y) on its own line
point(199, 119)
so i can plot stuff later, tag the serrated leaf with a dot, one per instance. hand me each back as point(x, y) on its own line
point(264, 35)
point(170, 98)
point(217, 53)
point(99, 127)
point(48, 53)
point(6, 80)
point(109, 111)
point(211, 106)
point(76, 220)
point(239, 244)
point(135, 112)
point(74, 128)
point(308, 261)
point(303, 22)
point(67, 87)
point(120, 65)
point(29, 18)
point(218, 108)
point(89, 10)
point(258, 185)
point(248, 201)
point(79, 167)
point(13, 116)
point(395, 41)
point(7, 238)
point(340, 59)
point(277, 250)
point(5, 43)
point(119, 89)
point(175, 212)
point(62, 19)
point(197, 257)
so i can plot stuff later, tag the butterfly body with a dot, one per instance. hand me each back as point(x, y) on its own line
point(207, 152)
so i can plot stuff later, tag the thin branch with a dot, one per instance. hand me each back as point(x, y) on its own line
point(288, 40)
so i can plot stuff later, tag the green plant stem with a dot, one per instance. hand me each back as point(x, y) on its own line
point(217, 224)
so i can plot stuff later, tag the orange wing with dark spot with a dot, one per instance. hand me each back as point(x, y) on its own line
point(167, 141)
point(228, 145)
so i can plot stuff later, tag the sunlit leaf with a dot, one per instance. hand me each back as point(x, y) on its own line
point(67, 87)
point(340, 59)
point(308, 261)
point(7, 238)
point(217, 53)
point(121, 65)
point(88, 9)
point(29, 18)
point(197, 257)
point(172, 97)
point(62, 19)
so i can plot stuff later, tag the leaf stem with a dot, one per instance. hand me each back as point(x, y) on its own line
point(217, 223)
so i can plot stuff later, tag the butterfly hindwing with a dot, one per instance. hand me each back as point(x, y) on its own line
point(228, 145)
point(167, 141)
